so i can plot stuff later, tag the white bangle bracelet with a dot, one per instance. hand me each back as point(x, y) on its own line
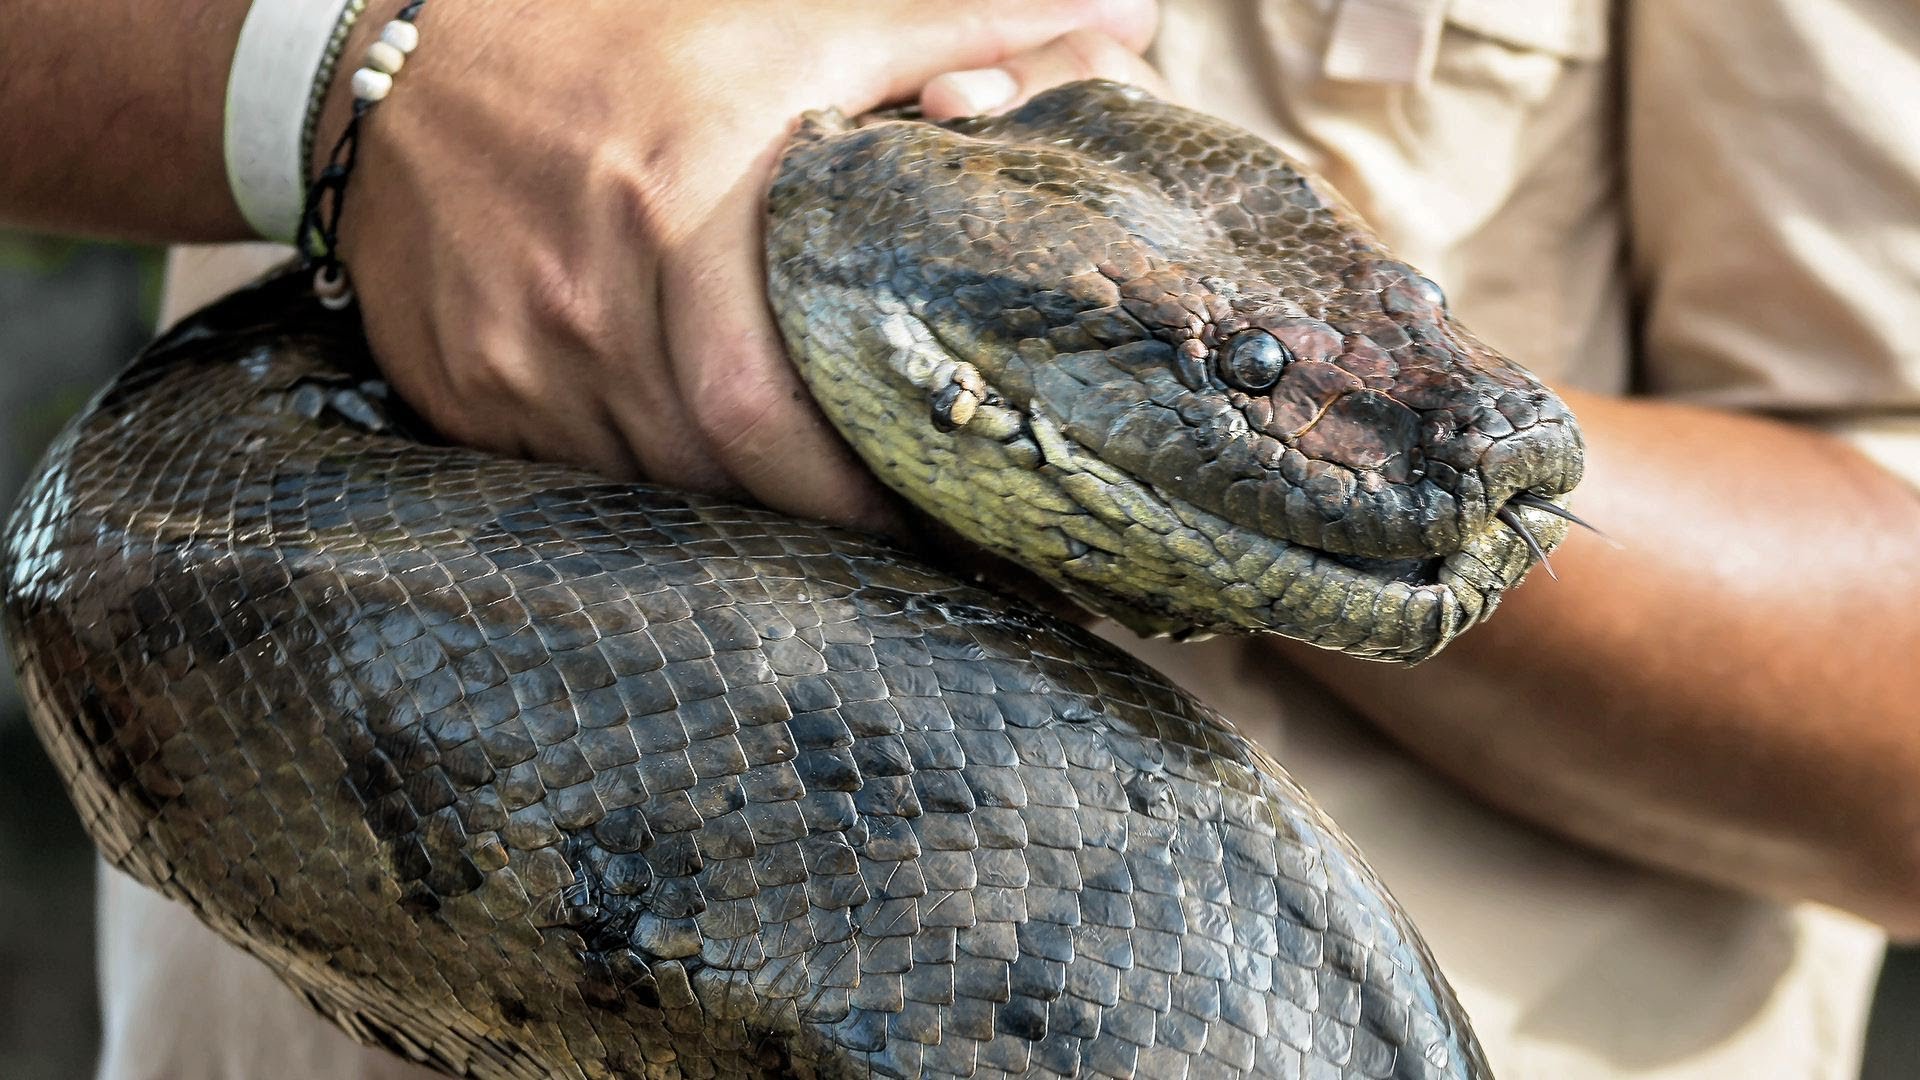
point(282, 45)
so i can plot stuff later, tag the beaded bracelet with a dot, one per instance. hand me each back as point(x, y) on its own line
point(323, 78)
point(320, 220)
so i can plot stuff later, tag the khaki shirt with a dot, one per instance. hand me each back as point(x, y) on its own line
point(1714, 201)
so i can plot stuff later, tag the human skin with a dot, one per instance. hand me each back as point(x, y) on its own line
point(555, 225)
point(1729, 689)
point(1728, 692)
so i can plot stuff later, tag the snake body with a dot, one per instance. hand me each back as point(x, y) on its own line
point(523, 773)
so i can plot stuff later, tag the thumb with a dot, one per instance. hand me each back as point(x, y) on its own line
point(1083, 54)
point(930, 37)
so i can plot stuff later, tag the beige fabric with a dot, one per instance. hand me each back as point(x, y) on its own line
point(1757, 193)
point(1771, 276)
point(1777, 229)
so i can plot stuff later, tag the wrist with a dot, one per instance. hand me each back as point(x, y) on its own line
point(283, 47)
point(423, 69)
point(318, 230)
point(332, 67)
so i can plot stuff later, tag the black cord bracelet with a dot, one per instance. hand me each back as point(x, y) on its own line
point(326, 198)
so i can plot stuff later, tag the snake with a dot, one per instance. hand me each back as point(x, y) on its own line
point(522, 772)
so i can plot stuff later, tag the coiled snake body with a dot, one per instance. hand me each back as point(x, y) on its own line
point(524, 773)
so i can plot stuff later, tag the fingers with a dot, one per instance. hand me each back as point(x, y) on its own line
point(595, 289)
point(1132, 23)
point(937, 36)
point(1081, 54)
point(747, 402)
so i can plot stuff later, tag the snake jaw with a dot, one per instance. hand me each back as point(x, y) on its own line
point(1016, 480)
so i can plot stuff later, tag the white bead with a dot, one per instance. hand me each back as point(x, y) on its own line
point(401, 35)
point(385, 58)
point(330, 284)
point(371, 85)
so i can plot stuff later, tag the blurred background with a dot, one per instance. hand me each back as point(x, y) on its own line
point(70, 315)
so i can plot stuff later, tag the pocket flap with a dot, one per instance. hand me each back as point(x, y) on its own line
point(1576, 29)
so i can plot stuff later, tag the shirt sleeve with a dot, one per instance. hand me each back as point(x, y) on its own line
point(1773, 185)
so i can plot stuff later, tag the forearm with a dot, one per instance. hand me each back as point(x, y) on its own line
point(1732, 692)
point(110, 117)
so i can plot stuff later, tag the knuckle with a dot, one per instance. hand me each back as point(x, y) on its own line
point(733, 414)
point(561, 300)
point(489, 368)
point(1091, 53)
point(642, 182)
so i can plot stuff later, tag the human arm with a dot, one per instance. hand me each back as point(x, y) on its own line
point(554, 226)
point(1732, 692)
point(111, 119)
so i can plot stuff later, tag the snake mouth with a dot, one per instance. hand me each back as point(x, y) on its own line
point(1164, 565)
point(1420, 571)
point(1408, 609)
point(1430, 569)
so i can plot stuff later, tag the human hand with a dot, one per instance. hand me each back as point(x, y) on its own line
point(555, 223)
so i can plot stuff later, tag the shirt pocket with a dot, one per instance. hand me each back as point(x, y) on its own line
point(1571, 29)
point(1401, 42)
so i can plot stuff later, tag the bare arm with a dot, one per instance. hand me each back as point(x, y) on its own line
point(110, 116)
point(1733, 693)
point(554, 227)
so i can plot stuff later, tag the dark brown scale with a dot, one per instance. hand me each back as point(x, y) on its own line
point(526, 774)
point(1206, 230)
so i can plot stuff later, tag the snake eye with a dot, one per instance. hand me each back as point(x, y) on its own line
point(1253, 361)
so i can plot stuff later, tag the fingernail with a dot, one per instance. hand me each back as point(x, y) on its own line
point(982, 89)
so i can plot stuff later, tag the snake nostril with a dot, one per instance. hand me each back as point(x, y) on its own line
point(1413, 465)
point(1544, 457)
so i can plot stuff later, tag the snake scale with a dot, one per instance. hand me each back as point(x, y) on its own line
point(523, 773)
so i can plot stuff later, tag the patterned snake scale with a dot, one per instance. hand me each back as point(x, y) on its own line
point(526, 774)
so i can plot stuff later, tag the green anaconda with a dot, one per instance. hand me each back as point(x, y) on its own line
point(524, 773)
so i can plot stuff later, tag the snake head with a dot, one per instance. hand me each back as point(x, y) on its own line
point(1143, 353)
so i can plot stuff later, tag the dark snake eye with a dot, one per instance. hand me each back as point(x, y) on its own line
point(1253, 361)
